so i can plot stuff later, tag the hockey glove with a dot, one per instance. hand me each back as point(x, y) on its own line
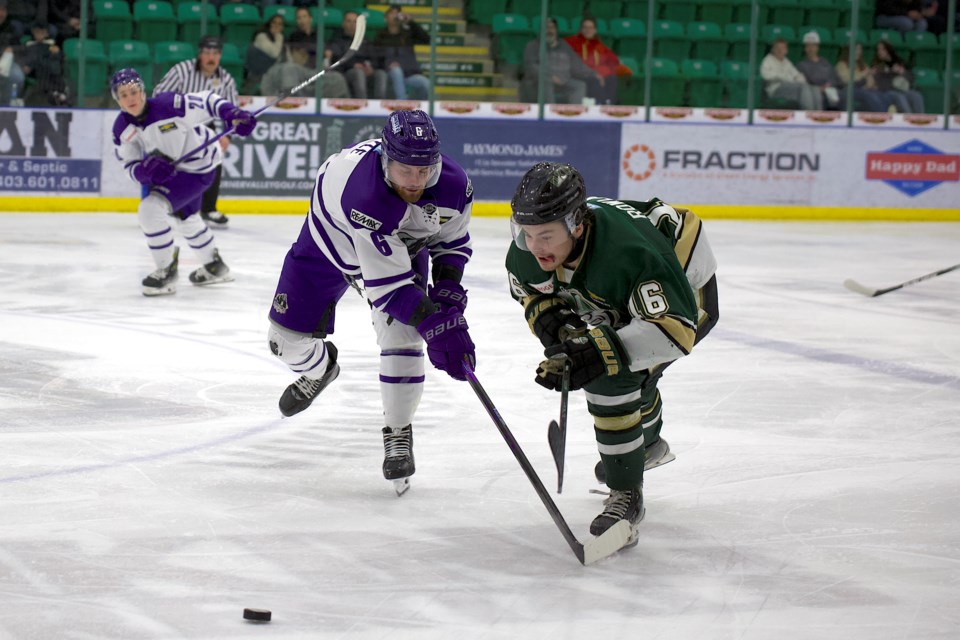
point(552, 320)
point(154, 169)
point(448, 294)
point(448, 342)
point(596, 354)
point(242, 122)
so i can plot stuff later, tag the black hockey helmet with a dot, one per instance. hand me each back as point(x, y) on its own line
point(550, 191)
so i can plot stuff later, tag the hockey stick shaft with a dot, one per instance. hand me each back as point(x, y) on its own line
point(557, 432)
point(354, 46)
point(853, 285)
point(521, 457)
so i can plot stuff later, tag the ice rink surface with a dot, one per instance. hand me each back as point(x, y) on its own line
point(150, 489)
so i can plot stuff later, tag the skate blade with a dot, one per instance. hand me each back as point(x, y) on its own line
point(226, 278)
point(159, 291)
point(669, 457)
point(401, 485)
point(620, 536)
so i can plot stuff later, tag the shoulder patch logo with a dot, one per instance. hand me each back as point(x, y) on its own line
point(430, 212)
point(280, 304)
point(516, 287)
point(364, 220)
point(168, 126)
point(469, 187)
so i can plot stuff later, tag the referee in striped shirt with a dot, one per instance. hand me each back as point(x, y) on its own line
point(204, 74)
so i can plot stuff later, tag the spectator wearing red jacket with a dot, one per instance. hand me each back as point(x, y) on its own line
point(601, 59)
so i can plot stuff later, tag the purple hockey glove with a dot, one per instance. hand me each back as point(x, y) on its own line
point(154, 170)
point(448, 342)
point(448, 294)
point(242, 122)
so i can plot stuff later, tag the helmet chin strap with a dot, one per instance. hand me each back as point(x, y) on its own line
point(578, 245)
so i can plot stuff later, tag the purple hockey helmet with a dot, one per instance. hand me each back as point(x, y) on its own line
point(125, 76)
point(409, 137)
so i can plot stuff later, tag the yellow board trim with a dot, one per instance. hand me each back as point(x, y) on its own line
point(500, 209)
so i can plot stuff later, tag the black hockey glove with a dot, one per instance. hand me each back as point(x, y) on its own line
point(552, 320)
point(596, 354)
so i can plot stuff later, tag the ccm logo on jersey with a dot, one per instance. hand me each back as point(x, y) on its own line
point(364, 220)
point(169, 126)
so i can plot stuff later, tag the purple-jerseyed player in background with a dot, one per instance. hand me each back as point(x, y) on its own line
point(149, 134)
point(383, 213)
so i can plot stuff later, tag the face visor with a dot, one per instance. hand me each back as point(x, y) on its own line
point(409, 176)
point(520, 238)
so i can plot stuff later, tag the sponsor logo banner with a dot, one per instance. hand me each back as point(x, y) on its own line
point(50, 151)
point(913, 167)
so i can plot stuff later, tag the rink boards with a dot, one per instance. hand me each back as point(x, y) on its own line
point(795, 167)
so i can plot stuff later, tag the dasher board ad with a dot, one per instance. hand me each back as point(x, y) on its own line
point(784, 166)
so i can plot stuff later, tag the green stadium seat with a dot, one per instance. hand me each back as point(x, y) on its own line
point(628, 36)
point(190, 17)
point(527, 8)
point(682, 11)
point(155, 21)
point(376, 21)
point(703, 83)
point(786, 12)
point(134, 54)
point(925, 49)
point(842, 37)
point(823, 13)
point(668, 84)
point(113, 20)
point(770, 32)
point(865, 20)
point(167, 54)
point(568, 9)
point(332, 19)
point(482, 11)
point(738, 35)
point(511, 33)
point(630, 88)
point(232, 61)
point(670, 41)
point(343, 5)
point(930, 85)
point(95, 65)
point(708, 41)
point(610, 9)
point(716, 11)
point(892, 36)
point(735, 78)
point(743, 12)
point(239, 21)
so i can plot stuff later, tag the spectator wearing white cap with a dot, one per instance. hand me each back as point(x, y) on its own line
point(820, 73)
point(783, 81)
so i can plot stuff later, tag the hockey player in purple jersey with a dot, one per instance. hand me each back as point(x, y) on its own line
point(383, 213)
point(148, 134)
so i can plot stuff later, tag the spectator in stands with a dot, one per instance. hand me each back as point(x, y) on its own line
point(568, 75)
point(285, 75)
point(893, 79)
point(305, 35)
point(783, 81)
point(24, 13)
point(866, 97)
point(362, 78)
point(43, 62)
point(902, 15)
point(604, 62)
point(11, 75)
point(820, 73)
point(266, 50)
point(65, 18)
point(394, 45)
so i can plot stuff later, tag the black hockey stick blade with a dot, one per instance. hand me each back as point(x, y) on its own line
point(611, 541)
point(855, 286)
point(557, 432)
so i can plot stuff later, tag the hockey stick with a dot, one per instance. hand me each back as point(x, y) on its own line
point(557, 433)
point(611, 541)
point(354, 46)
point(853, 285)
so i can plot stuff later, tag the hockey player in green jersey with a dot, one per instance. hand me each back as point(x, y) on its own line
point(620, 289)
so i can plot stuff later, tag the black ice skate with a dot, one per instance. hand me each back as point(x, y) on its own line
point(163, 281)
point(215, 219)
point(214, 271)
point(656, 455)
point(621, 505)
point(398, 464)
point(301, 393)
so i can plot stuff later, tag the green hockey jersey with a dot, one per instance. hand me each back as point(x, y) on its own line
point(640, 271)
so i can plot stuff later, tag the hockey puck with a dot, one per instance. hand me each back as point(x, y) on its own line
point(257, 615)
